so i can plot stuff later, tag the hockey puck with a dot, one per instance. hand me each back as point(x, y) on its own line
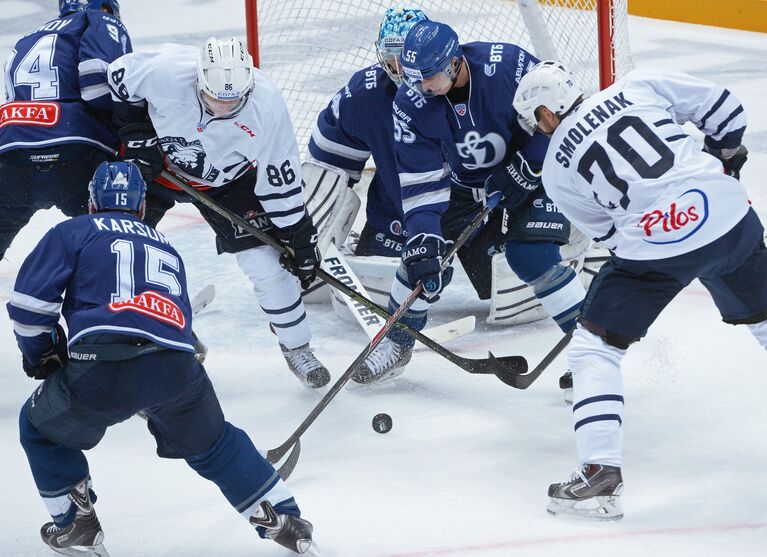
point(382, 423)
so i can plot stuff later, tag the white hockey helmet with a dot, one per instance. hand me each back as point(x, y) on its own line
point(224, 76)
point(547, 84)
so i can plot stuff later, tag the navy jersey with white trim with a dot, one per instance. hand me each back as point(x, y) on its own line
point(356, 125)
point(462, 142)
point(105, 273)
point(56, 85)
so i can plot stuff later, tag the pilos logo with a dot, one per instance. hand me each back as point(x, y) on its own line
point(29, 113)
point(154, 305)
point(682, 219)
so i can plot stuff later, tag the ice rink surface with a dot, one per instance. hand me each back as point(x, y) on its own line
point(465, 469)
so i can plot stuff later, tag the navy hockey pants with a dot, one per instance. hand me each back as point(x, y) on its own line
point(627, 296)
point(72, 409)
point(34, 179)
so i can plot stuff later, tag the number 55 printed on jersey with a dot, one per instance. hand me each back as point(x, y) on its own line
point(402, 133)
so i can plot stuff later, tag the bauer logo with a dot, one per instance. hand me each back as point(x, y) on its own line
point(29, 113)
point(154, 305)
point(678, 221)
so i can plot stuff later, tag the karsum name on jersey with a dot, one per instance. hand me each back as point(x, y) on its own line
point(587, 123)
point(126, 226)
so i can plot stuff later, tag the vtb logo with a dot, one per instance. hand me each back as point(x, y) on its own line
point(682, 219)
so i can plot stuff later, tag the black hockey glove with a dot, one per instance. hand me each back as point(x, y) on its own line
point(302, 239)
point(139, 144)
point(732, 159)
point(422, 257)
point(52, 359)
point(513, 180)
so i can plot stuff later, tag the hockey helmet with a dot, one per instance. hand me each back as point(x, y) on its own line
point(548, 84)
point(391, 36)
point(67, 7)
point(224, 76)
point(117, 186)
point(429, 55)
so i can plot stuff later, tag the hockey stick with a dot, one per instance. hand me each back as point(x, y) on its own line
point(276, 454)
point(524, 381)
point(202, 299)
point(502, 367)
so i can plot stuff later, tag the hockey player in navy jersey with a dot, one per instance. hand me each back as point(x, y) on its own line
point(622, 169)
point(121, 288)
point(207, 115)
point(55, 125)
point(453, 134)
point(357, 124)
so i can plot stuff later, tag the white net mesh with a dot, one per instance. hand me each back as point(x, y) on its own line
point(310, 48)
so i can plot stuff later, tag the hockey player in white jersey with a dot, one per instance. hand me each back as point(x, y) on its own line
point(210, 117)
point(621, 168)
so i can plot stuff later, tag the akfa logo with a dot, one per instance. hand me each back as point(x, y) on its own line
point(154, 305)
point(682, 219)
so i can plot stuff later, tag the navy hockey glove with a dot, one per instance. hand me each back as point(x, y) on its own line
point(140, 145)
point(732, 159)
point(422, 257)
point(55, 357)
point(302, 239)
point(513, 180)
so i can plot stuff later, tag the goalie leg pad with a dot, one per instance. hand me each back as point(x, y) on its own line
point(330, 202)
point(278, 294)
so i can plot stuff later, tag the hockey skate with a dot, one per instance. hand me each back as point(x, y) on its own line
point(83, 537)
point(566, 384)
point(288, 530)
point(593, 491)
point(386, 361)
point(306, 366)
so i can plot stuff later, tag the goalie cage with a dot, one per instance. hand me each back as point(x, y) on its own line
point(310, 48)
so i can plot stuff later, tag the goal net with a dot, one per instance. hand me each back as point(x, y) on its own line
point(310, 48)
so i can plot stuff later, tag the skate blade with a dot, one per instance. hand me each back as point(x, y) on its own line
point(87, 551)
point(593, 508)
point(385, 377)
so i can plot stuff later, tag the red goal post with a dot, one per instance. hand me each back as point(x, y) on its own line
point(310, 48)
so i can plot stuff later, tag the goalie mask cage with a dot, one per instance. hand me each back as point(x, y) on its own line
point(310, 48)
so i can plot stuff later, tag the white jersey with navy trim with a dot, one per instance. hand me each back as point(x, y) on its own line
point(213, 151)
point(622, 169)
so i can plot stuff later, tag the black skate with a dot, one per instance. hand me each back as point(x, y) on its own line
point(306, 366)
point(593, 491)
point(83, 537)
point(566, 384)
point(288, 530)
point(386, 361)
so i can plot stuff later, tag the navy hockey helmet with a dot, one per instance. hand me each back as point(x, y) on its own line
point(117, 186)
point(67, 7)
point(428, 53)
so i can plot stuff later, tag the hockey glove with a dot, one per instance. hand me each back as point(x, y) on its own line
point(140, 145)
point(513, 180)
point(55, 357)
point(732, 159)
point(422, 257)
point(302, 239)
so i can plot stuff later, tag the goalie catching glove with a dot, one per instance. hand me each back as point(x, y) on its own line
point(301, 238)
point(732, 159)
point(513, 180)
point(139, 144)
point(422, 257)
point(53, 358)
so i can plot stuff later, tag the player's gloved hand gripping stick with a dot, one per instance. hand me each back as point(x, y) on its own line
point(503, 367)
